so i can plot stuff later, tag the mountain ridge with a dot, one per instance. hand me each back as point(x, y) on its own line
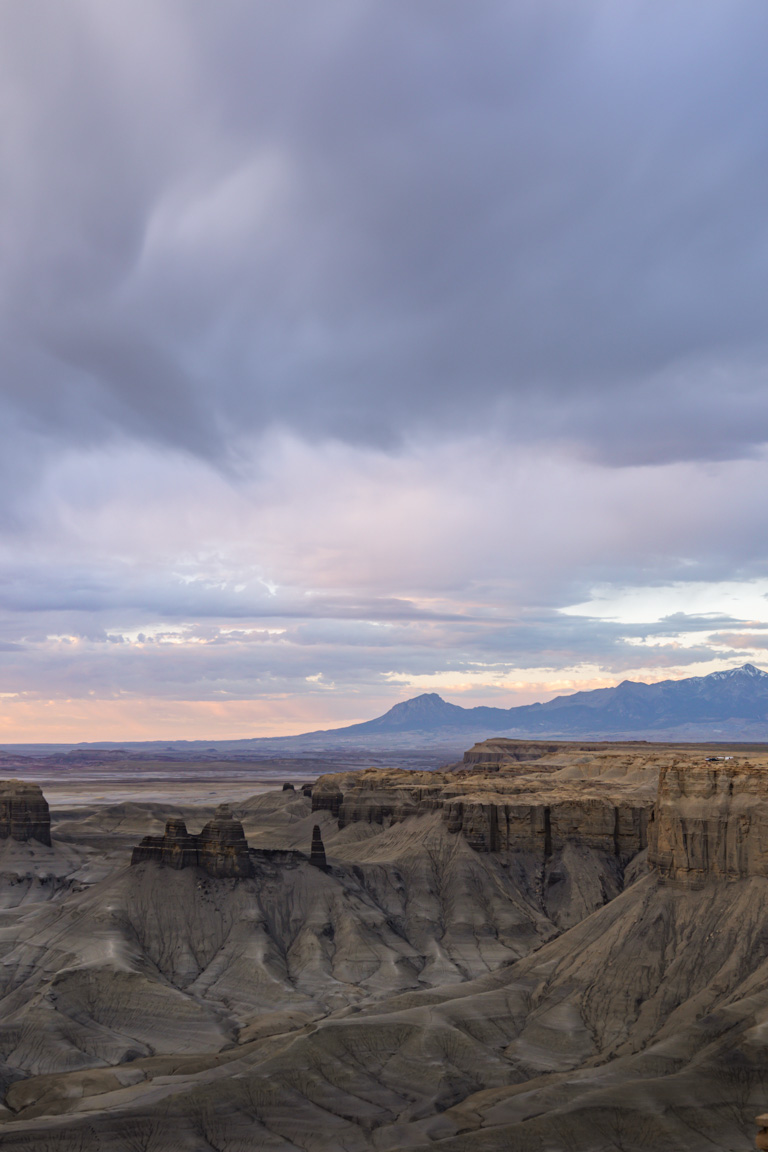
point(723, 696)
point(726, 706)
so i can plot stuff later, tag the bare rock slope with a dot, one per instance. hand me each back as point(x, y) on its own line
point(466, 973)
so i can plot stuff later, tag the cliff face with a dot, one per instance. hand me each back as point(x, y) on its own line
point(490, 755)
point(501, 811)
point(24, 813)
point(220, 849)
point(710, 821)
point(543, 828)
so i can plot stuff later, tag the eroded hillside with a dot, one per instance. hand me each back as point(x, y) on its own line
point(492, 958)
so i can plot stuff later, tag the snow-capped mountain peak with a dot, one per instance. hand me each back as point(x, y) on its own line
point(733, 673)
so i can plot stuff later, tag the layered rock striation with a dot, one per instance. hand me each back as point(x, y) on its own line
point(221, 849)
point(710, 821)
point(545, 827)
point(24, 813)
point(492, 754)
point(501, 811)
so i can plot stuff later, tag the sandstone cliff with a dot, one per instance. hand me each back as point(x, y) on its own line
point(710, 821)
point(490, 755)
point(24, 813)
point(504, 810)
point(524, 756)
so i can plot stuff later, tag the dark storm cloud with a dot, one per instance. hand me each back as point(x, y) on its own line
point(364, 219)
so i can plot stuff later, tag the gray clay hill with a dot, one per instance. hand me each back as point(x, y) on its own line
point(548, 946)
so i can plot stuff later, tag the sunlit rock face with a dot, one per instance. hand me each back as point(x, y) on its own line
point(490, 755)
point(221, 848)
point(24, 813)
point(710, 821)
point(494, 826)
point(499, 813)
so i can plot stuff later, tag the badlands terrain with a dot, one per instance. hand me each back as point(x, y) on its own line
point(544, 946)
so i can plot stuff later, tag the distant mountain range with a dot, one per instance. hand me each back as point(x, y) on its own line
point(725, 706)
point(728, 705)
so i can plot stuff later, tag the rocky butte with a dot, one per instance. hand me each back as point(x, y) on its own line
point(220, 850)
point(24, 813)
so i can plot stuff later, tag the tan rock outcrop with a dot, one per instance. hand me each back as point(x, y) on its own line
point(541, 828)
point(505, 810)
point(710, 821)
point(24, 813)
point(761, 1140)
point(490, 755)
point(518, 756)
point(223, 847)
point(326, 798)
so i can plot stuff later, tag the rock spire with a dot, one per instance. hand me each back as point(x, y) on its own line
point(317, 851)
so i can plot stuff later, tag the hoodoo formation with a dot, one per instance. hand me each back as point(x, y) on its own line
point(221, 848)
point(24, 813)
point(317, 852)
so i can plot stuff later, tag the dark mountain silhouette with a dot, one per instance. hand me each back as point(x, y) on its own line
point(738, 694)
point(731, 705)
point(430, 713)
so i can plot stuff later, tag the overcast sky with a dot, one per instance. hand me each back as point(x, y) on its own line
point(358, 349)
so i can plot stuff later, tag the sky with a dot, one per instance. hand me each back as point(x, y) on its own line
point(359, 349)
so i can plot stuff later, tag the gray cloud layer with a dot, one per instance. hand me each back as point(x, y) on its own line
point(494, 273)
point(364, 218)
